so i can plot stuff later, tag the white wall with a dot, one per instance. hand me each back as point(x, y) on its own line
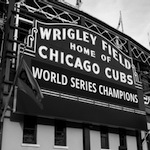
point(74, 139)
point(12, 135)
point(95, 140)
point(114, 141)
point(45, 137)
point(131, 143)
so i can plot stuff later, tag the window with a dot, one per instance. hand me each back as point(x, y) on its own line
point(104, 138)
point(60, 133)
point(123, 142)
point(29, 130)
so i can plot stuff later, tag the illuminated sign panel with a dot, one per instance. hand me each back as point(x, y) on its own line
point(84, 69)
point(102, 71)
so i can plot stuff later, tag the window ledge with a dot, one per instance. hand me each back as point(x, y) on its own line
point(61, 147)
point(30, 145)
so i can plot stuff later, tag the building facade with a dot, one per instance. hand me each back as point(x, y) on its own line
point(95, 81)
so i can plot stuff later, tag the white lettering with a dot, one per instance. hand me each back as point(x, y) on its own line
point(118, 56)
point(83, 85)
point(45, 33)
point(50, 76)
point(68, 59)
point(64, 33)
point(119, 94)
point(118, 76)
point(56, 34)
point(40, 50)
point(82, 49)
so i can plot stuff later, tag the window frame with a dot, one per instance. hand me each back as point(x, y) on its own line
point(123, 140)
point(60, 134)
point(29, 130)
point(104, 138)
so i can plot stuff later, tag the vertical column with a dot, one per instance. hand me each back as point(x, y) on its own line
point(86, 138)
point(138, 138)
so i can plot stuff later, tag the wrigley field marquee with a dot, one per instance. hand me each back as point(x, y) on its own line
point(83, 62)
point(80, 70)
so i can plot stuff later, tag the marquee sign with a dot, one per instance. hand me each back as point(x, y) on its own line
point(75, 63)
point(98, 68)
